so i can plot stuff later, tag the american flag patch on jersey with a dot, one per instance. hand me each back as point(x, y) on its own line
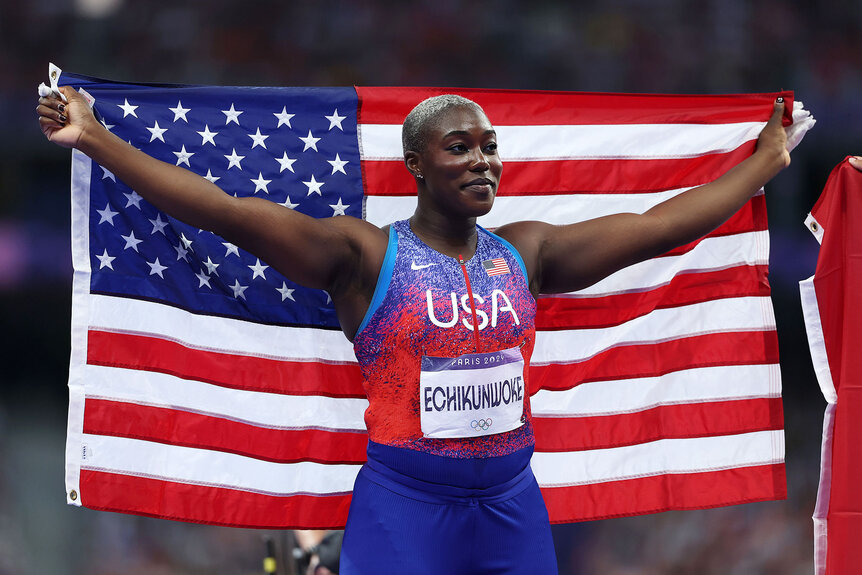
point(496, 267)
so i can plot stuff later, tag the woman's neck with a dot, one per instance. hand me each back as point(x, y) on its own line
point(448, 235)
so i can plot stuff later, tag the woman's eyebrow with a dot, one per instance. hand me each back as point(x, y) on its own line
point(466, 133)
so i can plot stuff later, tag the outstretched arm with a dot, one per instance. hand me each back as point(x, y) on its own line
point(330, 254)
point(572, 257)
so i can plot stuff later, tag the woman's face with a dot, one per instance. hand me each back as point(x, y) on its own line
point(460, 165)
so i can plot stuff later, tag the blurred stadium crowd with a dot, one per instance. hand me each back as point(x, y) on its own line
point(669, 46)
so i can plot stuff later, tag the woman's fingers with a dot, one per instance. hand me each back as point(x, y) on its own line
point(64, 122)
point(772, 137)
point(777, 110)
point(51, 111)
point(856, 162)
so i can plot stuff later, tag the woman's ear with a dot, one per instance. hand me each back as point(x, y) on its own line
point(413, 163)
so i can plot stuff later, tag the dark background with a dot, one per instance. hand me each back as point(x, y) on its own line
point(674, 46)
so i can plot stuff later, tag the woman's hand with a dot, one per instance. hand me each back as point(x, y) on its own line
point(772, 138)
point(856, 162)
point(65, 123)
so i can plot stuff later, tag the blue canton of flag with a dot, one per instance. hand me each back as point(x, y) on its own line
point(294, 146)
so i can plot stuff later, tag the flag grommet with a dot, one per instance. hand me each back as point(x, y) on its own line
point(73, 495)
point(814, 226)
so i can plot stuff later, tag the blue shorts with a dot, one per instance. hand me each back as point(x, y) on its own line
point(401, 524)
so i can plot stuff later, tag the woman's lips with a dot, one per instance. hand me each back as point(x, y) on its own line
point(480, 185)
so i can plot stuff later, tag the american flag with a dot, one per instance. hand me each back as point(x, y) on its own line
point(206, 387)
point(496, 267)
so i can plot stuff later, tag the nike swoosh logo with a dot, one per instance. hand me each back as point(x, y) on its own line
point(413, 266)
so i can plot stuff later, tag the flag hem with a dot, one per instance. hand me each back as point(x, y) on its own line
point(80, 180)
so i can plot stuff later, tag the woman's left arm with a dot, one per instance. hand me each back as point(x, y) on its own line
point(572, 257)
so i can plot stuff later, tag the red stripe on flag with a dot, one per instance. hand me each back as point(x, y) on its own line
point(224, 369)
point(384, 105)
point(663, 422)
point(555, 313)
point(653, 359)
point(187, 429)
point(665, 493)
point(551, 177)
point(213, 505)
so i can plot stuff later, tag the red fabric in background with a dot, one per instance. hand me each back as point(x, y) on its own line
point(838, 288)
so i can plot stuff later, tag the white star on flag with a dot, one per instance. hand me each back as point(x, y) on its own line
point(260, 183)
point(285, 163)
point(231, 249)
point(105, 261)
point(186, 242)
point(131, 241)
point(258, 269)
point(107, 215)
point(234, 160)
point(207, 136)
point(156, 132)
point(180, 112)
point(211, 266)
point(211, 177)
point(107, 174)
point(288, 204)
point(238, 290)
point(203, 279)
point(258, 139)
point(133, 199)
point(156, 268)
point(335, 120)
point(338, 164)
point(310, 142)
point(128, 109)
point(338, 209)
point(284, 117)
point(158, 224)
point(183, 156)
point(286, 292)
point(313, 186)
point(182, 253)
point(232, 115)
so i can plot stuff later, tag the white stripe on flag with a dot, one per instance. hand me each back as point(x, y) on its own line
point(690, 455)
point(599, 398)
point(125, 315)
point(259, 408)
point(214, 468)
point(606, 141)
point(719, 316)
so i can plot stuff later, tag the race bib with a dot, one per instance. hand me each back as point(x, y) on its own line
point(472, 395)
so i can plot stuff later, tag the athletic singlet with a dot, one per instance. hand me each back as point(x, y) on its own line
point(421, 308)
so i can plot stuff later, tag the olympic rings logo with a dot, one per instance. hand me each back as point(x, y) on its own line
point(483, 424)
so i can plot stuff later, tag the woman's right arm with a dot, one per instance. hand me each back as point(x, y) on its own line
point(315, 253)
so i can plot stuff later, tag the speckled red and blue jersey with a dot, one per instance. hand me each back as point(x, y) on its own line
point(421, 307)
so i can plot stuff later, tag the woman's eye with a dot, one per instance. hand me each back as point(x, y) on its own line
point(492, 147)
point(458, 148)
